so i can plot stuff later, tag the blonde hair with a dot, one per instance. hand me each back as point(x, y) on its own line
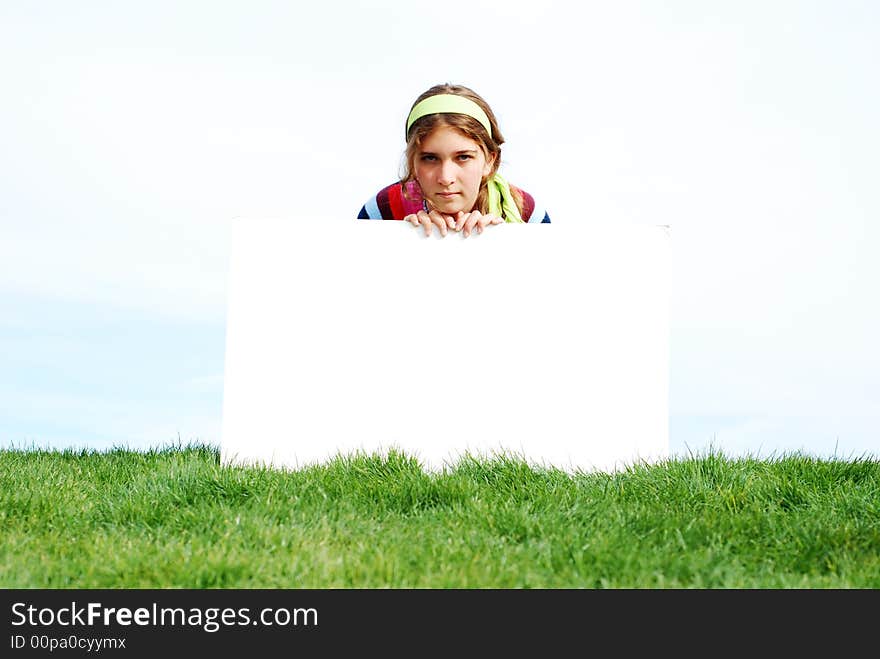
point(467, 126)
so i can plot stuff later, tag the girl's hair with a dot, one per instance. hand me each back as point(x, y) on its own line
point(467, 126)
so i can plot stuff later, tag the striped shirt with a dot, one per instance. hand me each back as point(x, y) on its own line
point(391, 204)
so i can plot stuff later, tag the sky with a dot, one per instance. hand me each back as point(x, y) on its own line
point(132, 134)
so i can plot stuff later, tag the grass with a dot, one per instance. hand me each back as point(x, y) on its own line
point(176, 518)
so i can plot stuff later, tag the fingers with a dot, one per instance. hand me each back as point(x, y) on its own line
point(427, 224)
point(466, 223)
point(430, 220)
point(439, 220)
point(474, 221)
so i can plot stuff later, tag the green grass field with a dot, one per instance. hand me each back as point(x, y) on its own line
point(176, 518)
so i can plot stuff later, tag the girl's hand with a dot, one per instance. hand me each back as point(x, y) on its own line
point(474, 221)
point(430, 220)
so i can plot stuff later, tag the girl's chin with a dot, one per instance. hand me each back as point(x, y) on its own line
point(448, 206)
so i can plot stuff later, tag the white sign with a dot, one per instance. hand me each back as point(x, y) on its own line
point(545, 342)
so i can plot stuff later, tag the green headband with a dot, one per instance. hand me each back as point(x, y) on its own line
point(447, 103)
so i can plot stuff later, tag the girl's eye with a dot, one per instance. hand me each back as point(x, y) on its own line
point(428, 157)
point(465, 156)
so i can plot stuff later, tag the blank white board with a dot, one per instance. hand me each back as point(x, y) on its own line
point(545, 342)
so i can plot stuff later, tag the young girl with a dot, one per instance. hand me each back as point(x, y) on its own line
point(451, 179)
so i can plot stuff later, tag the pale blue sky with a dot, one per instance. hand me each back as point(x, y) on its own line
point(132, 134)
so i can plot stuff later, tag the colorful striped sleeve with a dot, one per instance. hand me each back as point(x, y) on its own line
point(391, 204)
point(533, 213)
point(370, 210)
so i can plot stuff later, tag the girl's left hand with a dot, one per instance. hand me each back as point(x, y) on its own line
point(474, 221)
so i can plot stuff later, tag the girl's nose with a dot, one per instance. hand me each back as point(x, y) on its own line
point(447, 174)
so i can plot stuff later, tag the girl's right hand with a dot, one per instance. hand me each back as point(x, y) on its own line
point(429, 220)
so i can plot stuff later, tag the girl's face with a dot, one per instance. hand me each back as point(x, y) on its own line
point(449, 168)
